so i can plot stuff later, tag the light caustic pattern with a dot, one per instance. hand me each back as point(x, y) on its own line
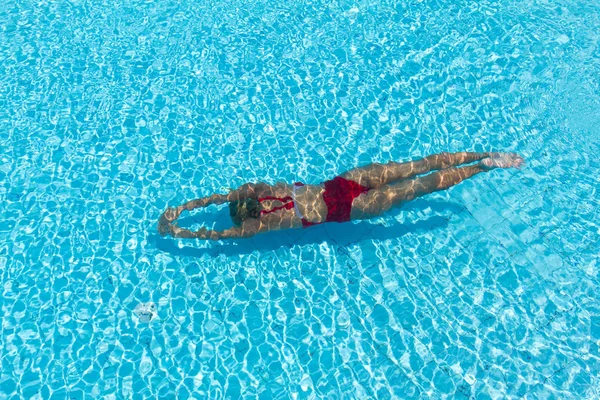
point(111, 111)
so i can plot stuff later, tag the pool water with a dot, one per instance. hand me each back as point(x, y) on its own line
point(111, 111)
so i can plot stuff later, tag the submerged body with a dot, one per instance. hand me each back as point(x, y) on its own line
point(360, 193)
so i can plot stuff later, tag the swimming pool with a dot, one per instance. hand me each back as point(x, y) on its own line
point(111, 111)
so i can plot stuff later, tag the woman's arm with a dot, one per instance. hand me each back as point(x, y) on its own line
point(203, 202)
point(245, 231)
point(247, 190)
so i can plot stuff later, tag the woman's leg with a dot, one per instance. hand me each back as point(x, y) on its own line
point(380, 200)
point(376, 175)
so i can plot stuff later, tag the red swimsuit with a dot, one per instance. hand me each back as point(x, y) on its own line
point(338, 196)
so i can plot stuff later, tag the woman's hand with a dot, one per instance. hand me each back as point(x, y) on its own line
point(165, 226)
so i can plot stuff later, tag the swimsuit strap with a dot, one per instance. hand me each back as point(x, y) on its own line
point(298, 214)
point(288, 203)
point(305, 223)
point(287, 206)
point(281, 199)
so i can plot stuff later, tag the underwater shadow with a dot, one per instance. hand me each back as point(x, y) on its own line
point(335, 234)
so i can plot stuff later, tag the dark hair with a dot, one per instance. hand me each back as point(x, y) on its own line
point(241, 210)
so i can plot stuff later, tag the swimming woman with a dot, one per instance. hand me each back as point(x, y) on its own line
point(360, 193)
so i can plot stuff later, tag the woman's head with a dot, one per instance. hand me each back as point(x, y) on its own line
point(241, 210)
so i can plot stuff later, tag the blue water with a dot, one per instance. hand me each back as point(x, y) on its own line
point(110, 111)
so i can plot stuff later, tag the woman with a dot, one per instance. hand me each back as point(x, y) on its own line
point(361, 193)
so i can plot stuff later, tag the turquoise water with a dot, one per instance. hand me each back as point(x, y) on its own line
point(110, 111)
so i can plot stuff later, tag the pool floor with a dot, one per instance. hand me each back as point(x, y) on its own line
point(112, 111)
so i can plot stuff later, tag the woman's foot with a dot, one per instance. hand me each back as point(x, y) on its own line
point(503, 160)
